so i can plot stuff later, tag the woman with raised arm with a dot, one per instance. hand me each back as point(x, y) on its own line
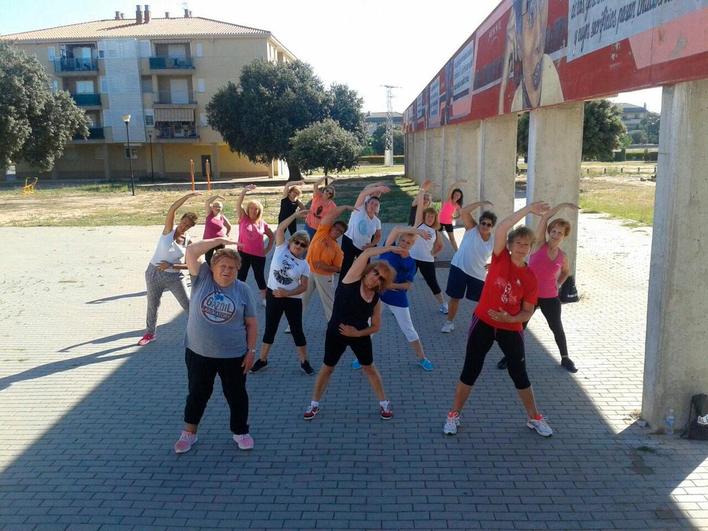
point(215, 224)
point(508, 298)
point(166, 265)
point(468, 268)
point(550, 265)
point(220, 339)
point(364, 229)
point(356, 315)
point(424, 250)
point(322, 204)
point(427, 201)
point(290, 203)
point(287, 281)
point(251, 231)
point(450, 210)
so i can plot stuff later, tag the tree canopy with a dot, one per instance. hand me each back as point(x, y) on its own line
point(35, 123)
point(378, 140)
point(325, 145)
point(259, 116)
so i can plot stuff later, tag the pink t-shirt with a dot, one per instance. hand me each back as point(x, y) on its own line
point(446, 212)
point(251, 234)
point(547, 271)
point(214, 227)
point(319, 208)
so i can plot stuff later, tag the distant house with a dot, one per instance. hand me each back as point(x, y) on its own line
point(632, 115)
point(374, 119)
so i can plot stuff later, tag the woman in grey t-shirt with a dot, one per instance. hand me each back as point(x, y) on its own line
point(220, 339)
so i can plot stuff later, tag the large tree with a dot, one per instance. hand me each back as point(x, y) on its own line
point(272, 101)
point(325, 145)
point(35, 123)
point(650, 125)
point(378, 140)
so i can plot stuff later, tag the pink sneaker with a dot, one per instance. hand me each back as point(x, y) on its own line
point(185, 442)
point(147, 338)
point(245, 441)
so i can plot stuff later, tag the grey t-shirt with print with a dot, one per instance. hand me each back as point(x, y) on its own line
point(216, 326)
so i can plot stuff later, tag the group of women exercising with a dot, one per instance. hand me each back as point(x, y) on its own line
point(506, 272)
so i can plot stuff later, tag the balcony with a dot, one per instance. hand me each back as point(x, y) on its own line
point(75, 64)
point(176, 132)
point(95, 133)
point(171, 63)
point(87, 100)
point(168, 97)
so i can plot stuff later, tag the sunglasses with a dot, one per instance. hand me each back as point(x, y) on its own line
point(486, 224)
point(300, 244)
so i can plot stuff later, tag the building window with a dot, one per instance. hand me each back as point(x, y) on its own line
point(149, 120)
point(146, 84)
point(130, 153)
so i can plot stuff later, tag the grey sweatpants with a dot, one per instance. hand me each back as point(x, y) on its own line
point(158, 281)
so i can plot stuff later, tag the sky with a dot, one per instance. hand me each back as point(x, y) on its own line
point(362, 43)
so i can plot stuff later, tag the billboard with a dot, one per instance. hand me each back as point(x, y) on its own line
point(535, 53)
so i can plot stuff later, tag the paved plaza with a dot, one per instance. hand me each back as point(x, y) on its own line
point(90, 418)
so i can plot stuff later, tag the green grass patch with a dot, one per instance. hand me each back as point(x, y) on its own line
point(627, 201)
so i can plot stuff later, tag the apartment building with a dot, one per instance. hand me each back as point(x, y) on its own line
point(160, 71)
point(632, 115)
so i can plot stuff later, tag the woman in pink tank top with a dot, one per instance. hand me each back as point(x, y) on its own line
point(450, 209)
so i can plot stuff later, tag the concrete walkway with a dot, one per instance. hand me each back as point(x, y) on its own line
point(90, 418)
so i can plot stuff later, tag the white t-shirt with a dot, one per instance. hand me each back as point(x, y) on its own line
point(168, 250)
point(473, 254)
point(286, 270)
point(422, 249)
point(362, 228)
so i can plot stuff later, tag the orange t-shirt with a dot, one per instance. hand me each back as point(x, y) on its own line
point(505, 288)
point(324, 249)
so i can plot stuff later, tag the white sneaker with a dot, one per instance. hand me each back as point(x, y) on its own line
point(443, 308)
point(263, 302)
point(287, 330)
point(448, 327)
point(451, 423)
point(541, 427)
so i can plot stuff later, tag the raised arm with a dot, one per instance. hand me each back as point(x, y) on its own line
point(397, 231)
point(170, 218)
point(332, 216)
point(227, 225)
point(372, 189)
point(316, 185)
point(452, 187)
point(271, 239)
point(504, 226)
point(208, 202)
point(239, 200)
point(543, 223)
point(419, 202)
point(283, 225)
point(289, 185)
point(466, 213)
point(195, 250)
point(362, 261)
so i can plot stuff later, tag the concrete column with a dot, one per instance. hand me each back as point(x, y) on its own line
point(555, 154)
point(215, 165)
point(449, 157)
point(434, 156)
point(497, 162)
point(106, 163)
point(467, 167)
point(419, 162)
point(675, 365)
point(407, 155)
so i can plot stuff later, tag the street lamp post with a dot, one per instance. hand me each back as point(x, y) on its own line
point(152, 168)
point(126, 121)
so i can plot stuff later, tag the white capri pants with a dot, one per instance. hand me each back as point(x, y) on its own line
point(403, 318)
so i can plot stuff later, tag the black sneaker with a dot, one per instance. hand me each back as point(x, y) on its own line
point(568, 365)
point(307, 368)
point(260, 364)
point(501, 365)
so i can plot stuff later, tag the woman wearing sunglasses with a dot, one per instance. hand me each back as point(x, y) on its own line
point(322, 204)
point(356, 316)
point(287, 281)
point(468, 267)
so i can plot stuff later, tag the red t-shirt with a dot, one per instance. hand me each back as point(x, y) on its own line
point(505, 287)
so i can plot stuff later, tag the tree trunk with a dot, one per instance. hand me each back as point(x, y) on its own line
point(294, 171)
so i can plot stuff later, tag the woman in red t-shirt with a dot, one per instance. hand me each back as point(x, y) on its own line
point(508, 299)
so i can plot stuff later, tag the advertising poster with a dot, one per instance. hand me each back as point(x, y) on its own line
point(434, 103)
point(461, 81)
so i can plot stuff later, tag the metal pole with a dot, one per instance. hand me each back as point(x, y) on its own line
point(152, 168)
point(130, 160)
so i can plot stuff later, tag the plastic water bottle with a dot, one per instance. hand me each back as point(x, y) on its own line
point(670, 418)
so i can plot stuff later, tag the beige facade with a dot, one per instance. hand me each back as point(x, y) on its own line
point(163, 73)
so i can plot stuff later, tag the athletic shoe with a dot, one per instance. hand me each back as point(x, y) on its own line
point(311, 412)
point(287, 330)
point(185, 442)
point(245, 441)
point(260, 364)
point(356, 364)
point(307, 368)
point(452, 422)
point(501, 364)
point(568, 365)
point(541, 427)
point(443, 308)
point(426, 364)
point(147, 338)
point(447, 327)
point(386, 412)
point(263, 302)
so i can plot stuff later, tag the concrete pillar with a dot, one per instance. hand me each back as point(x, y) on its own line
point(497, 162)
point(106, 163)
point(434, 155)
point(467, 165)
point(555, 154)
point(675, 365)
point(419, 162)
point(408, 155)
point(449, 157)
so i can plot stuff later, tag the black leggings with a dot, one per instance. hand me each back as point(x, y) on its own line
point(428, 271)
point(275, 307)
point(258, 265)
point(481, 339)
point(351, 253)
point(201, 372)
point(551, 310)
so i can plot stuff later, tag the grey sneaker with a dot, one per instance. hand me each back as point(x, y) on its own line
point(541, 427)
point(452, 422)
point(448, 327)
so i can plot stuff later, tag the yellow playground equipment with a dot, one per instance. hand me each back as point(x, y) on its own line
point(30, 185)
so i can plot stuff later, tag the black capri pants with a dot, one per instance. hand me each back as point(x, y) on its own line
point(551, 310)
point(428, 271)
point(336, 344)
point(351, 252)
point(201, 372)
point(481, 339)
point(258, 265)
point(292, 308)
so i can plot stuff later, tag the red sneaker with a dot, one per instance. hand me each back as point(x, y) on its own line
point(147, 338)
point(311, 412)
point(386, 412)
